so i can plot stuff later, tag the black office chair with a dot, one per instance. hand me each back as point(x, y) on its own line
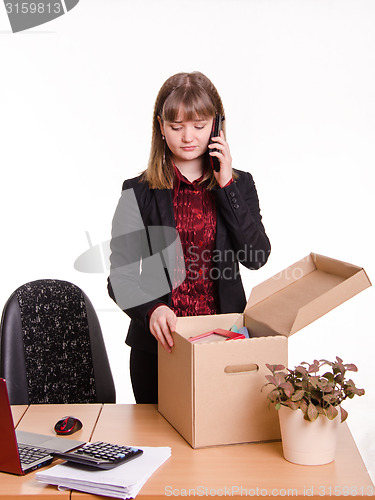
point(52, 348)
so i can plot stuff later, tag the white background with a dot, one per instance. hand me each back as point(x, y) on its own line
point(297, 80)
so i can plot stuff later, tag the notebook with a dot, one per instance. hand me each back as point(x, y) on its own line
point(22, 452)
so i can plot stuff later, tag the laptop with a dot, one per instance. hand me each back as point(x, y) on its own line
point(22, 452)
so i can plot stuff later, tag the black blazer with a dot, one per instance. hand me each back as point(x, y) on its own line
point(240, 238)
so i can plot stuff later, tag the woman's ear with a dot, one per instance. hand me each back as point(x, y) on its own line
point(161, 126)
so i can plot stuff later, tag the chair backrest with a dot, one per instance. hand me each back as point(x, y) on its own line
point(52, 348)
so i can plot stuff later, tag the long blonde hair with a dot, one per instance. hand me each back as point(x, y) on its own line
point(197, 95)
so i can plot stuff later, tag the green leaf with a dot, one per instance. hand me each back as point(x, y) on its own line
point(280, 378)
point(320, 410)
point(339, 379)
point(274, 395)
point(292, 406)
point(329, 398)
point(344, 414)
point(288, 388)
point(312, 412)
point(271, 379)
point(329, 376)
point(314, 381)
point(275, 368)
point(331, 412)
point(303, 406)
point(314, 367)
point(278, 406)
point(298, 395)
point(302, 370)
point(279, 367)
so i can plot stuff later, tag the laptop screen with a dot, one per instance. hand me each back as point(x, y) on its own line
point(9, 457)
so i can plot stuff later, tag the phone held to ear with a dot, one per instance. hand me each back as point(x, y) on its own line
point(216, 127)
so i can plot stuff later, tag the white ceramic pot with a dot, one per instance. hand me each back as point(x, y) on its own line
point(305, 442)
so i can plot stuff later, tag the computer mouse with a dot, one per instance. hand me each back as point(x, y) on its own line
point(68, 425)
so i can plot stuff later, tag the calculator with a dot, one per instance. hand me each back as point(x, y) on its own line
point(100, 454)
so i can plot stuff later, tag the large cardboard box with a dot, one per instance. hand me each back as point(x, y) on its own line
point(212, 392)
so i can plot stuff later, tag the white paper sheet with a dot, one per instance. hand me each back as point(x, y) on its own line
point(124, 481)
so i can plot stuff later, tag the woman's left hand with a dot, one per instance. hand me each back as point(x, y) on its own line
point(223, 155)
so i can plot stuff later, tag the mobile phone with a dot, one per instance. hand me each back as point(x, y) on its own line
point(216, 127)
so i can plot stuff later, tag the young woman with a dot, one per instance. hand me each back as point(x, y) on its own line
point(216, 215)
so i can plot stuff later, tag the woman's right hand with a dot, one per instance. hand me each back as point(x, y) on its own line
point(162, 323)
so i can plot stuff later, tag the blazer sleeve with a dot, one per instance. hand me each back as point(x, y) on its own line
point(238, 204)
point(129, 247)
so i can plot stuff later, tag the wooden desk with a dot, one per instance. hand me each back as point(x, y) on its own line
point(237, 471)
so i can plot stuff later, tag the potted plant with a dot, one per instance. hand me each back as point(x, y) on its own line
point(309, 401)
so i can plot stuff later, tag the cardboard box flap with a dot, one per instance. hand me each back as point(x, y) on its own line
point(175, 371)
point(303, 293)
point(281, 280)
point(331, 299)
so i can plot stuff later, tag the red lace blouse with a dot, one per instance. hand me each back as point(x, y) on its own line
point(195, 215)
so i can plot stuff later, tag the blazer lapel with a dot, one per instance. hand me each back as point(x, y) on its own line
point(165, 240)
point(164, 205)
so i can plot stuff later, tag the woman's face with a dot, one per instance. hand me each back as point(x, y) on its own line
point(187, 140)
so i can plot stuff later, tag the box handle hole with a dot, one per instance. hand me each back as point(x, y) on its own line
point(250, 368)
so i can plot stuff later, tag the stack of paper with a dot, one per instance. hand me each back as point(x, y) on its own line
point(124, 481)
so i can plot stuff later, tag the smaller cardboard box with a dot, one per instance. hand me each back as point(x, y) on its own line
point(212, 392)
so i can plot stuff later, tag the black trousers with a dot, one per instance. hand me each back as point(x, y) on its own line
point(144, 376)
